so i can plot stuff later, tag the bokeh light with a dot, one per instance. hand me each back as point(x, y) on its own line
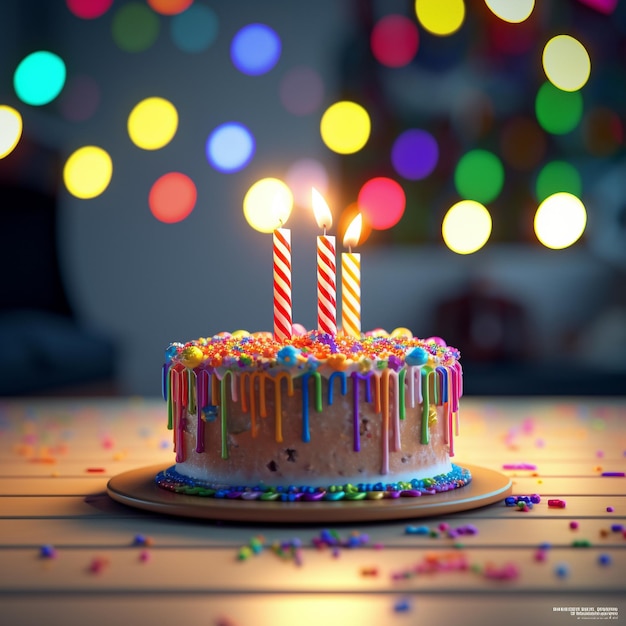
point(10, 129)
point(479, 175)
point(152, 123)
point(267, 204)
point(414, 154)
point(255, 49)
point(566, 63)
point(345, 127)
point(603, 132)
point(515, 11)
point(87, 172)
point(39, 78)
point(172, 197)
point(88, 9)
point(195, 29)
point(560, 221)
point(558, 112)
point(303, 175)
point(466, 227)
point(602, 6)
point(135, 27)
point(382, 202)
point(394, 40)
point(557, 176)
point(230, 147)
point(301, 90)
point(522, 143)
point(80, 98)
point(169, 7)
point(440, 17)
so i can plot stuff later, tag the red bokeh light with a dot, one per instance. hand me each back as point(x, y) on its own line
point(172, 197)
point(394, 40)
point(88, 9)
point(382, 202)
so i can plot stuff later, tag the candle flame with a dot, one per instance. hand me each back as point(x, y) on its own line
point(323, 216)
point(353, 232)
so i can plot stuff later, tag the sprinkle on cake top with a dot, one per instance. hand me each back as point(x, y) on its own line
point(376, 350)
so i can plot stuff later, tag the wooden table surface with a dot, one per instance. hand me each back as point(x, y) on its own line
point(71, 555)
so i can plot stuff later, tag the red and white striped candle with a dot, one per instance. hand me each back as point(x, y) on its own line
point(282, 284)
point(326, 269)
point(351, 280)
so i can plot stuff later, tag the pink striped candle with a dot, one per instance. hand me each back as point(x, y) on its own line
point(326, 269)
point(351, 281)
point(282, 284)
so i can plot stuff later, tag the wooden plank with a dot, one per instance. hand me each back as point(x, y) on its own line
point(514, 531)
point(311, 609)
point(564, 486)
point(56, 486)
point(98, 504)
point(217, 570)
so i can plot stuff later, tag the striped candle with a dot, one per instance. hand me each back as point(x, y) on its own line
point(351, 293)
point(326, 269)
point(282, 284)
point(326, 285)
point(351, 281)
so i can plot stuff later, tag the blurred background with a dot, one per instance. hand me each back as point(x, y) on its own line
point(482, 142)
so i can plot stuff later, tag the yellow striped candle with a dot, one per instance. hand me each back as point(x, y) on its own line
point(351, 280)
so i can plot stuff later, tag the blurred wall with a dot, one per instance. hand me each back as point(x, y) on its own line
point(147, 283)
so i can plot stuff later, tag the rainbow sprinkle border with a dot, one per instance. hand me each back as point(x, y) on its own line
point(171, 480)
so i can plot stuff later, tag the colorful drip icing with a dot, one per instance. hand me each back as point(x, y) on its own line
point(171, 480)
point(394, 371)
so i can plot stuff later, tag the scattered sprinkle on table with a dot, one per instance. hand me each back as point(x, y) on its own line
point(47, 552)
point(556, 504)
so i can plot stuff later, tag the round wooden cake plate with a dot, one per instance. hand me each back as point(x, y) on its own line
point(138, 489)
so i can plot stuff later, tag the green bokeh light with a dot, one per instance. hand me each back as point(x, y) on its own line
point(135, 27)
point(39, 78)
point(558, 112)
point(558, 176)
point(479, 175)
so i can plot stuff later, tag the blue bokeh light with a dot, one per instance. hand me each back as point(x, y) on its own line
point(255, 49)
point(230, 147)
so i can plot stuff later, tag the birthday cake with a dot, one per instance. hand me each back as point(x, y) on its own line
point(313, 417)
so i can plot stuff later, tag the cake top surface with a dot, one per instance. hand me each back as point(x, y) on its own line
point(311, 351)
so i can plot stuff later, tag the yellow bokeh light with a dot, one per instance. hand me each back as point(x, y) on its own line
point(267, 204)
point(511, 11)
point(152, 123)
point(87, 172)
point(560, 220)
point(566, 63)
point(10, 129)
point(345, 127)
point(440, 17)
point(466, 227)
